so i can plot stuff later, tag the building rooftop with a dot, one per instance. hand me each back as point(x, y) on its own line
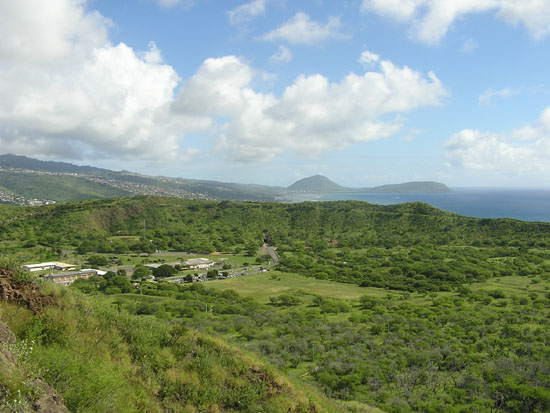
point(49, 264)
point(193, 261)
point(68, 274)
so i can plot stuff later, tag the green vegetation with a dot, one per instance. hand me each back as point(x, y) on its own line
point(261, 286)
point(101, 358)
point(404, 307)
point(407, 247)
point(438, 352)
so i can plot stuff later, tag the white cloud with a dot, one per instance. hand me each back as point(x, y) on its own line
point(400, 10)
point(64, 87)
point(247, 12)
point(368, 58)
point(312, 115)
point(302, 30)
point(430, 20)
point(31, 33)
point(153, 55)
point(487, 97)
point(533, 14)
point(76, 95)
point(521, 151)
point(283, 55)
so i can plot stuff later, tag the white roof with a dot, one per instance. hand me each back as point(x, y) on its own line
point(98, 272)
point(198, 261)
point(48, 264)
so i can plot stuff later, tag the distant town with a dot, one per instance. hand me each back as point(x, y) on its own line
point(7, 198)
point(132, 188)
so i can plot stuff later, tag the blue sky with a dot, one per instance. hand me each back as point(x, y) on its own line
point(366, 92)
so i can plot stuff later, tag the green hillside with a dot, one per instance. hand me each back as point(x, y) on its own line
point(24, 162)
point(61, 188)
point(403, 307)
point(101, 359)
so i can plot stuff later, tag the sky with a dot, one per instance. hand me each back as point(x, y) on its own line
point(366, 92)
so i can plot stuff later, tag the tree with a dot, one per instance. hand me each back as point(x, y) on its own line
point(141, 272)
point(164, 271)
point(286, 300)
point(97, 260)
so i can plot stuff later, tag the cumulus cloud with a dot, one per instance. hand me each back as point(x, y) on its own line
point(283, 55)
point(302, 30)
point(311, 116)
point(487, 98)
point(430, 20)
point(31, 33)
point(73, 94)
point(64, 87)
point(521, 151)
point(247, 12)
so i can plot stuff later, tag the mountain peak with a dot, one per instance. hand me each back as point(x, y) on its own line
point(315, 183)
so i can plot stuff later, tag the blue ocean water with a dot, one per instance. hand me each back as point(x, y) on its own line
point(523, 204)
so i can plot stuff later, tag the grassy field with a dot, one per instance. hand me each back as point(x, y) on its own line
point(515, 285)
point(270, 284)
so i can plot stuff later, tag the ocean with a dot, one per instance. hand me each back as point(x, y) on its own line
point(523, 204)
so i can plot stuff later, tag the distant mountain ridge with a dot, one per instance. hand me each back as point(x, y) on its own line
point(426, 187)
point(321, 185)
point(28, 181)
point(23, 162)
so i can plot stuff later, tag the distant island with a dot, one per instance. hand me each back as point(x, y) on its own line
point(321, 184)
point(27, 181)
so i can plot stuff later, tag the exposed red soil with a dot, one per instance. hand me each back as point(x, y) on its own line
point(22, 292)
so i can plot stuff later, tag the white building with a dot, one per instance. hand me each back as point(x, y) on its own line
point(70, 277)
point(199, 263)
point(45, 266)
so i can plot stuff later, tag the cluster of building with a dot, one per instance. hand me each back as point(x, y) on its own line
point(8, 198)
point(64, 278)
point(70, 273)
point(70, 277)
point(144, 189)
point(191, 264)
